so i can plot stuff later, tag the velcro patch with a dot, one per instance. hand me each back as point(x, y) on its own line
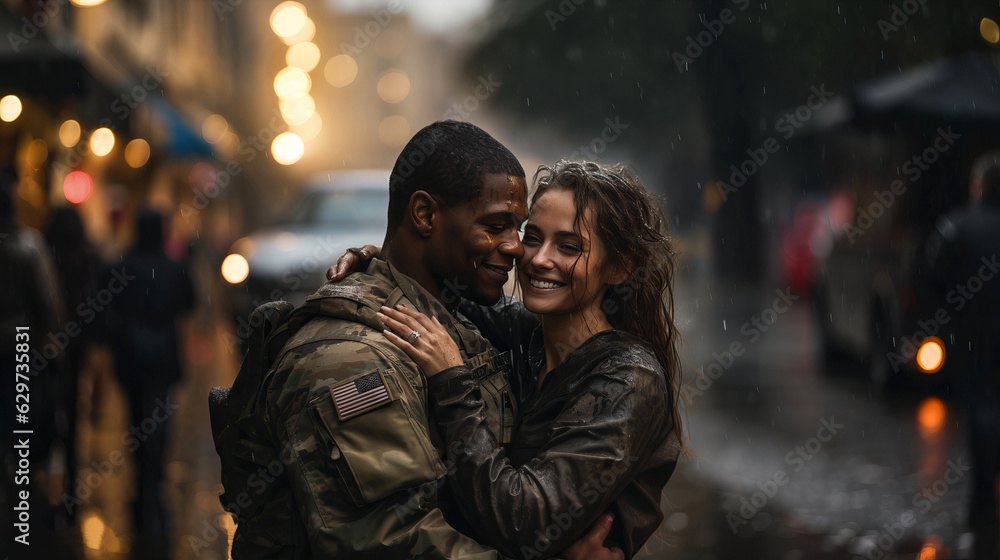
point(359, 395)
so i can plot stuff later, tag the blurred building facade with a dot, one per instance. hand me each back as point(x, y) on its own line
point(193, 95)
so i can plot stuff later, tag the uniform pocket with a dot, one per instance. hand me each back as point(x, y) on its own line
point(378, 450)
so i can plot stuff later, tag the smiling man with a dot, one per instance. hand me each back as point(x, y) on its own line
point(360, 469)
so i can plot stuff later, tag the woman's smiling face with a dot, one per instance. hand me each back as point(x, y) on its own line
point(561, 271)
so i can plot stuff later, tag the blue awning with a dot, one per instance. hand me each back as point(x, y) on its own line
point(180, 139)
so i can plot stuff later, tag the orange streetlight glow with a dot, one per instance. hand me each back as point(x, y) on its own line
point(930, 356)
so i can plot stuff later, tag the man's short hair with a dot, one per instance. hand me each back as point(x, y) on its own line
point(448, 160)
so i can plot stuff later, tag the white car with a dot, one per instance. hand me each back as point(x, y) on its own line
point(288, 260)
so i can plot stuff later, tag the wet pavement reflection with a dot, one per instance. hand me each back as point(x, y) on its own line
point(793, 460)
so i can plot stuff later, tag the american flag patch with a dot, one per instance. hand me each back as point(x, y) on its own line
point(359, 395)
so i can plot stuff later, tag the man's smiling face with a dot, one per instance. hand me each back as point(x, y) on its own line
point(477, 242)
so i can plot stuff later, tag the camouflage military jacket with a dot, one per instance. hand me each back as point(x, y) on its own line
point(364, 470)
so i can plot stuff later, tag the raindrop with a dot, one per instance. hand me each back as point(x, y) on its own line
point(724, 324)
point(528, 100)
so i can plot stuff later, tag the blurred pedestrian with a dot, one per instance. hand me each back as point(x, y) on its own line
point(148, 292)
point(29, 297)
point(962, 255)
point(76, 264)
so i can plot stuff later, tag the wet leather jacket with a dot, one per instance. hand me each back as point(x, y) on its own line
point(597, 436)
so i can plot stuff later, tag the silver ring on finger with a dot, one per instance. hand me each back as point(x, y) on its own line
point(413, 336)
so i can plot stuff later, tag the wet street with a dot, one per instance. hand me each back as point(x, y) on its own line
point(792, 460)
point(786, 461)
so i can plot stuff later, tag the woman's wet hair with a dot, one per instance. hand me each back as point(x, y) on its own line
point(626, 219)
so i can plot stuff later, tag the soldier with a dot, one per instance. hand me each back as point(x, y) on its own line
point(345, 411)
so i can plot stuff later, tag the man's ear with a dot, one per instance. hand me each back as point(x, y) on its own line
point(422, 212)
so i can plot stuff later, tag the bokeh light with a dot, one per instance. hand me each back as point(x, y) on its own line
point(307, 33)
point(303, 55)
point(10, 108)
point(394, 130)
point(287, 148)
point(202, 177)
point(931, 415)
point(340, 70)
point(390, 44)
point(311, 128)
point(235, 268)
point(989, 30)
point(297, 111)
point(393, 87)
point(101, 141)
point(69, 133)
point(87, 3)
point(77, 186)
point(930, 356)
point(36, 153)
point(214, 128)
point(137, 153)
point(288, 18)
point(292, 83)
point(93, 531)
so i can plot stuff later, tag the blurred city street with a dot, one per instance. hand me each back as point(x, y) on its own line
point(879, 464)
point(829, 176)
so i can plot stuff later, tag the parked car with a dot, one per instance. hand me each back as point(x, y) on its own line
point(870, 290)
point(288, 260)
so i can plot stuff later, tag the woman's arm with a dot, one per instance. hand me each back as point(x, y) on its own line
point(505, 324)
point(599, 443)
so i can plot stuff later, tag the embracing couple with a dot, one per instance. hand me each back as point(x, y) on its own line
point(423, 414)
